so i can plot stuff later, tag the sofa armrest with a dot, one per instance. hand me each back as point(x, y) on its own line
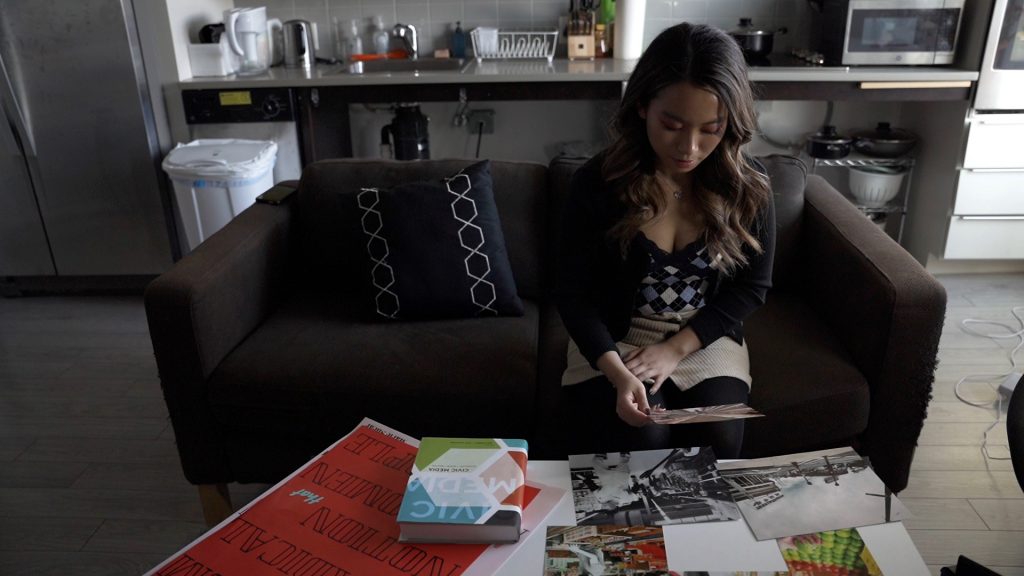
point(888, 313)
point(203, 307)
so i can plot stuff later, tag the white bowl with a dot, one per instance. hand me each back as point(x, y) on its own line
point(873, 186)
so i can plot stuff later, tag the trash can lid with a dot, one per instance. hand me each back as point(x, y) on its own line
point(221, 157)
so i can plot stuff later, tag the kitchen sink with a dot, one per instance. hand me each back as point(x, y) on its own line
point(401, 65)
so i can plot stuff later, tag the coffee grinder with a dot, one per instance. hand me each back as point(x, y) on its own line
point(406, 137)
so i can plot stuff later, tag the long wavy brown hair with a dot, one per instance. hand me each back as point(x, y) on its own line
point(730, 193)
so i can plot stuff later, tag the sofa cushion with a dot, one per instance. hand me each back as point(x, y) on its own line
point(435, 247)
point(789, 177)
point(315, 368)
point(324, 250)
point(803, 381)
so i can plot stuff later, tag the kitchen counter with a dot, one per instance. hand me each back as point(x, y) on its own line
point(601, 80)
point(539, 71)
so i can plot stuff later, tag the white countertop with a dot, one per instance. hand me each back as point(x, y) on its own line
point(560, 70)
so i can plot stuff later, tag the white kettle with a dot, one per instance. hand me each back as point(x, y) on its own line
point(251, 36)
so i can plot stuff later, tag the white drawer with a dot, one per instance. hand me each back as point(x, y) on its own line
point(986, 238)
point(995, 141)
point(990, 192)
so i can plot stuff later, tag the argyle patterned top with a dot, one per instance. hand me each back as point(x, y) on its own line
point(676, 282)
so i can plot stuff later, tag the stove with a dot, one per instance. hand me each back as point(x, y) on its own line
point(799, 58)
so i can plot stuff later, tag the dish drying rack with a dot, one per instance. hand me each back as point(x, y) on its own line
point(514, 44)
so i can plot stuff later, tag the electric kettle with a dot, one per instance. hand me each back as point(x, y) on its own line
point(300, 44)
point(251, 36)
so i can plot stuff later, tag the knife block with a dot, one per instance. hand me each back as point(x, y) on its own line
point(581, 47)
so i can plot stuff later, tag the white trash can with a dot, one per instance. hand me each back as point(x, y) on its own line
point(215, 179)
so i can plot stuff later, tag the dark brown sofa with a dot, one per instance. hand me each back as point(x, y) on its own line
point(266, 354)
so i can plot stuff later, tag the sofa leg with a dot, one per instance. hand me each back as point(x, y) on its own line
point(216, 501)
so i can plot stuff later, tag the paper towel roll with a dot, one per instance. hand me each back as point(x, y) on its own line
point(629, 29)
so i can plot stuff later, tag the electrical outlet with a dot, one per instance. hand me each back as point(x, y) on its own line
point(478, 117)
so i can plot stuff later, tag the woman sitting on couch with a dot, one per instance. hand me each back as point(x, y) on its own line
point(667, 247)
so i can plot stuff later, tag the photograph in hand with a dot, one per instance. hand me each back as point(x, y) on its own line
point(702, 414)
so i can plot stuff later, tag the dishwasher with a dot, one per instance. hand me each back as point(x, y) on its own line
point(252, 114)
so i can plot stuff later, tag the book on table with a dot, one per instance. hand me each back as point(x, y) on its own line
point(336, 515)
point(465, 490)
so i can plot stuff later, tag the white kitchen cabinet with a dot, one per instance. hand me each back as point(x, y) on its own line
point(988, 214)
point(990, 192)
point(985, 237)
point(994, 141)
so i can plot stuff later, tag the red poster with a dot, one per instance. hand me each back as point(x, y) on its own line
point(335, 516)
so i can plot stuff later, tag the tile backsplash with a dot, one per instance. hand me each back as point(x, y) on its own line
point(435, 19)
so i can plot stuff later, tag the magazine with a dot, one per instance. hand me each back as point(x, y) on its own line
point(650, 488)
point(337, 515)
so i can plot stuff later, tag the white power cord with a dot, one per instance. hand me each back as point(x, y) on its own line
point(1011, 333)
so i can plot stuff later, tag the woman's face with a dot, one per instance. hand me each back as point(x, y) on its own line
point(684, 126)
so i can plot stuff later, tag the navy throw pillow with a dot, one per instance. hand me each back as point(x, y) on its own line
point(436, 249)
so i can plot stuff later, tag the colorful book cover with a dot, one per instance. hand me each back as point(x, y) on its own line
point(465, 490)
point(337, 515)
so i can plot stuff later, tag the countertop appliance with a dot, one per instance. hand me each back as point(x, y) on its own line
point(988, 215)
point(299, 44)
point(886, 32)
point(82, 194)
point(253, 114)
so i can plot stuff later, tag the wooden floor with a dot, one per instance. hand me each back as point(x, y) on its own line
point(90, 484)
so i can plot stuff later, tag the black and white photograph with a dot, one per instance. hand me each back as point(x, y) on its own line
point(650, 487)
point(809, 492)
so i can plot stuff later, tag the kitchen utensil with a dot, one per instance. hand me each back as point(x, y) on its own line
point(299, 44)
point(828, 143)
point(873, 186)
point(250, 35)
point(756, 44)
point(884, 141)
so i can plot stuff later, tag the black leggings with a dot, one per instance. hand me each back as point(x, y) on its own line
point(591, 424)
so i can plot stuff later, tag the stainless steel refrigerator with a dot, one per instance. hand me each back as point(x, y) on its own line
point(81, 193)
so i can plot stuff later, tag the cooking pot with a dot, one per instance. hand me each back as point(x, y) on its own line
point(828, 144)
point(884, 141)
point(756, 44)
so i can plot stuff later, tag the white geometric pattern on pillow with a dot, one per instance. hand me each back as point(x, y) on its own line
point(471, 237)
point(382, 275)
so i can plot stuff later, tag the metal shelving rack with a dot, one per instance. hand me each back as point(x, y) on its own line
point(898, 206)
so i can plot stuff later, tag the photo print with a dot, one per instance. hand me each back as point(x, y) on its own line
point(602, 550)
point(809, 492)
point(650, 488)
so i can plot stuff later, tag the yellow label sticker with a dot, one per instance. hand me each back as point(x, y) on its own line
point(241, 98)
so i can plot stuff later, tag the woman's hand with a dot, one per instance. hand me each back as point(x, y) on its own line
point(631, 402)
point(630, 394)
point(655, 362)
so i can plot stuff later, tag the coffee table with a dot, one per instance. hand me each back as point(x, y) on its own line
point(715, 546)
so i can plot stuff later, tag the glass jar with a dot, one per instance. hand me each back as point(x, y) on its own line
point(600, 41)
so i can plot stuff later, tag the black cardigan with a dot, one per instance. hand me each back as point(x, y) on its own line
point(595, 286)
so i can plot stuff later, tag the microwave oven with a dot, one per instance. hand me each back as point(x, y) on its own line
point(886, 32)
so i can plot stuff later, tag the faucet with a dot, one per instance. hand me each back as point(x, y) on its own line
point(407, 33)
